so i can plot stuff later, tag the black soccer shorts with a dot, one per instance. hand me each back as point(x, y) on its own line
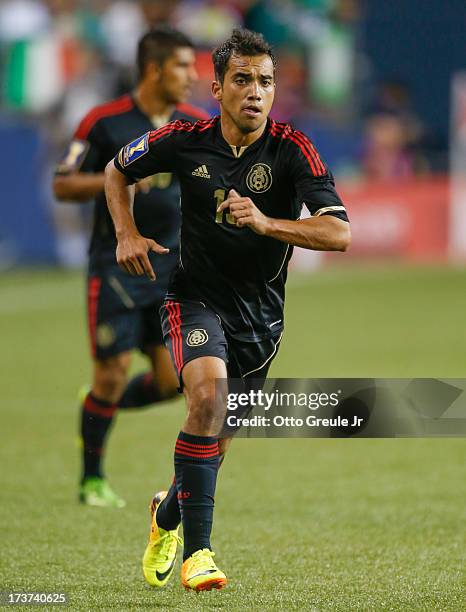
point(123, 310)
point(192, 330)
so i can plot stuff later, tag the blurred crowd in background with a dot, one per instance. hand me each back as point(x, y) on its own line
point(64, 56)
point(61, 57)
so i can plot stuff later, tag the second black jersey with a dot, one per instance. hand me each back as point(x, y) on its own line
point(98, 138)
point(241, 275)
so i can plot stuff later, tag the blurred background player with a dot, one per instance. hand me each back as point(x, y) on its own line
point(122, 310)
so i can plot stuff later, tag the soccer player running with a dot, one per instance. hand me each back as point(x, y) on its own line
point(123, 311)
point(244, 179)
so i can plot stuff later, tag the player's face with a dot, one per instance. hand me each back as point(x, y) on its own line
point(247, 91)
point(178, 74)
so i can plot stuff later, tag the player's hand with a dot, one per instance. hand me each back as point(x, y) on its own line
point(144, 185)
point(132, 253)
point(245, 212)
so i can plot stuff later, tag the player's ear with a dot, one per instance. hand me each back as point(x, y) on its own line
point(217, 90)
point(154, 71)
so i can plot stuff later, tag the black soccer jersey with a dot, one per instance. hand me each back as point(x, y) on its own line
point(238, 273)
point(100, 135)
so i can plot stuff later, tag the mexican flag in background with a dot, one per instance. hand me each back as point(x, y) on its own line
point(36, 72)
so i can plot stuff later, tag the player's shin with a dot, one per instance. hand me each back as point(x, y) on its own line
point(196, 467)
point(96, 419)
point(168, 512)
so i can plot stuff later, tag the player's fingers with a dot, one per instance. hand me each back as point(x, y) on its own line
point(238, 199)
point(137, 266)
point(157, 248)
point(230, 201)
point(124, 267)
point(243, 221)
point(139, 187)
point(148, 269)
point(128, 266)
point(238, 214)
point(239, 206)
point(233, 194)
point(223, 205)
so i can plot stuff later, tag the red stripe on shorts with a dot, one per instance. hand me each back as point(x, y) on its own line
point(171, 323)
point(92, 304)
point(178, 333)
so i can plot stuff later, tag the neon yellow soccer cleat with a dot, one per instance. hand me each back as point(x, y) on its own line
point(160, 554)
point(199, 572)
point(95, 491)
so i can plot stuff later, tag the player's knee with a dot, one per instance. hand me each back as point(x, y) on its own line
point(205, 404)
point(110, 376)
point(112, 370)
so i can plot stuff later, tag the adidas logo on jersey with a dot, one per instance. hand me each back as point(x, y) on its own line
point(202, 172)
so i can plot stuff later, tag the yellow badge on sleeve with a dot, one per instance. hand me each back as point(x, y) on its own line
point(74, 156)
point(134, 150)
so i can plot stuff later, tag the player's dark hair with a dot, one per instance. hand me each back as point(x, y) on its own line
point(158, 45)
point(241, 42)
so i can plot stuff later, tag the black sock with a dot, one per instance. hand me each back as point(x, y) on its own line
point(96, 418)
point(168, 512)
point(196, 467)
point(140, 391)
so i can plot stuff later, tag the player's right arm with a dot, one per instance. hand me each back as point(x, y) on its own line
point(79, 176)
point(132, 248)
point(149, 154)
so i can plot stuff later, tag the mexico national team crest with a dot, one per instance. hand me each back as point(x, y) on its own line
point(105, 335)
point(259, 178)
point(197, 337)
point(134, 150)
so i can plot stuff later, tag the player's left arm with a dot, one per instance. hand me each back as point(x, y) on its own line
point(326, 230)
point(320, 233)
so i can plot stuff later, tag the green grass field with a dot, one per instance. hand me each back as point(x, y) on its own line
point(300, 524)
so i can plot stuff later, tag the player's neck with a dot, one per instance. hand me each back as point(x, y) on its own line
point(151, 104)
point(235, 137)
